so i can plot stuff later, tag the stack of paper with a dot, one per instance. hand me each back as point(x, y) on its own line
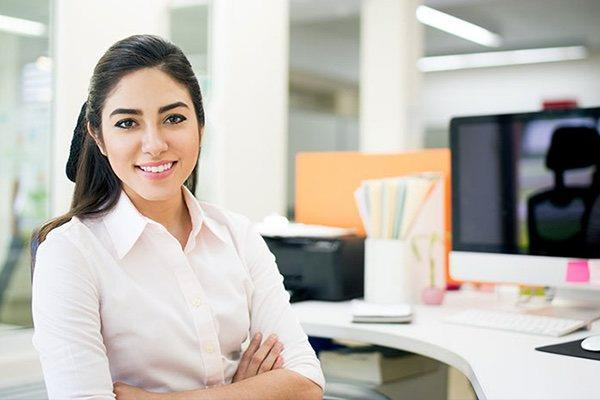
point(278, 226)
point(380, 313)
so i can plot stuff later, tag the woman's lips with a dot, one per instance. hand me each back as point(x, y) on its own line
point(156, 175)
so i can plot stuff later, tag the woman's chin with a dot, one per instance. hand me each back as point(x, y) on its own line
point(149, 193)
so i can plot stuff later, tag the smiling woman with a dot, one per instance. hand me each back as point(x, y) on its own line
point(152, 147)
point(140, 290)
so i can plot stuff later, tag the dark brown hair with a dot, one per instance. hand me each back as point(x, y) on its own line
point(97, 188)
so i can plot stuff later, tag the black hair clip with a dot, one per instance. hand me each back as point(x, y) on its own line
point(76, 144)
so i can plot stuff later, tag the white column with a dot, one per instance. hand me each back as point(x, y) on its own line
point(83, 31)
point(246, 135)
point(391, 43)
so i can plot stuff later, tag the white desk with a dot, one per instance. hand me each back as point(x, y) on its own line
point(499, 364)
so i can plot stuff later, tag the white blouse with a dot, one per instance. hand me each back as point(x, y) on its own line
point(116, 298)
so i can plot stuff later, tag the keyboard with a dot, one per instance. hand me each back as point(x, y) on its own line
point(517, 322)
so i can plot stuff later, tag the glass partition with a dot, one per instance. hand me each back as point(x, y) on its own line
point(25, 126)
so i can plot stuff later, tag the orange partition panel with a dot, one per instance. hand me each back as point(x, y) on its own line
point(325, 183)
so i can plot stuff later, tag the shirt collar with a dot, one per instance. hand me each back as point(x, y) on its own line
point(200, 218)
point(125, 223)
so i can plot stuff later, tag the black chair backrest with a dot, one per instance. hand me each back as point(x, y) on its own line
point(33, 246)
point(558, 217)
point(573, 147)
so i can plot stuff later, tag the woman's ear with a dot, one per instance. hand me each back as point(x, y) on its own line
point(98, 143)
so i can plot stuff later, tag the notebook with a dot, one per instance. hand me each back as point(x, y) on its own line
point(380, 313)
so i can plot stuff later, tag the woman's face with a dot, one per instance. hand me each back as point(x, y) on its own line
point(151, 134)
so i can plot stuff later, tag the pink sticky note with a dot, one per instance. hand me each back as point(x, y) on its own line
point(578, 271)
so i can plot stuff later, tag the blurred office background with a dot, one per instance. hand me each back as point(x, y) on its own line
point(278, 77)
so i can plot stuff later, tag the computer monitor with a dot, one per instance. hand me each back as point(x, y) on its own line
point(525, 196)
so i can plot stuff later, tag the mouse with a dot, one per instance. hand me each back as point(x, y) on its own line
point(591, 344)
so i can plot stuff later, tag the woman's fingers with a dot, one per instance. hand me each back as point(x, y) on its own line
point(252, 347)
point(278, 363)
point(241, 371)
point(259, 356)
point(270, 359)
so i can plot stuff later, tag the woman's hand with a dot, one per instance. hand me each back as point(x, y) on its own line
point(127, 392)
point(258, 359)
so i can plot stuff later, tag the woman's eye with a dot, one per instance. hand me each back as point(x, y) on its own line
point(175, 119)
point(125, 124)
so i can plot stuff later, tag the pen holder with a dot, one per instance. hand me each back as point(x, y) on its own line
point(389, 271)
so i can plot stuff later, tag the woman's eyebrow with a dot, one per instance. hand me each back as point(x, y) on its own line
point(172, 106)
point(139, 112)
point(125, 111)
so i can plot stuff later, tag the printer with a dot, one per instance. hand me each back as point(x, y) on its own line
point(320, 268)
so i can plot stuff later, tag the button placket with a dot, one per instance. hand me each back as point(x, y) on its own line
point(203, 321)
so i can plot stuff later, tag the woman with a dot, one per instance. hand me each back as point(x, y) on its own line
point(139, 283)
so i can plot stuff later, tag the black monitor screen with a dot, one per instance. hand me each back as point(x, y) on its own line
point(527, 183)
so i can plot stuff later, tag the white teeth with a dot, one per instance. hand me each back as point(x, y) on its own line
point(160, 168)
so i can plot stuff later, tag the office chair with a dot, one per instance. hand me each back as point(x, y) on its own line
point(592, 236)
point(33, 246)
point(558, 218)
point(15, 248)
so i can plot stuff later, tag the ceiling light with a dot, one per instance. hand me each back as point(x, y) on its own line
point(21, 26)
point(457, 27)
point(501, 58)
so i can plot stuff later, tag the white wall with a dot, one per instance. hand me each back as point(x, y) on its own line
point(508, 89)
point(391, 43)
point(247, 114)
point(449, 93)
point(324, 52)
point(82, 33)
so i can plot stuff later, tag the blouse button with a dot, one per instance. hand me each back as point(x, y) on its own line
point(209, 348)
point(197, 302)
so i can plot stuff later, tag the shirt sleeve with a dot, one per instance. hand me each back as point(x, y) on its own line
point(66, 317)
point(271, 312)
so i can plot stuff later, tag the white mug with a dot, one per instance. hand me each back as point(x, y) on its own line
point(390, 276)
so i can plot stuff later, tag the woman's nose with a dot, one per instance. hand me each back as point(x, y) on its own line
point(154, 142)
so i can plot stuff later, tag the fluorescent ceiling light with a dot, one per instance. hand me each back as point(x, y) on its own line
point(21, 26)
point(500, 58)
point(457, 27)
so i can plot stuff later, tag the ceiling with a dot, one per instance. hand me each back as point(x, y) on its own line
point(520, 23)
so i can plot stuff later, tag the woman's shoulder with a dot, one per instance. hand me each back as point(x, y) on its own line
point(61, 263)
point(63, 243)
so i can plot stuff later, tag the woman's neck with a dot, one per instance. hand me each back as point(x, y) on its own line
point(171, 213)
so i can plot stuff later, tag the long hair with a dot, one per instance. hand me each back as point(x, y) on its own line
point(97, 188)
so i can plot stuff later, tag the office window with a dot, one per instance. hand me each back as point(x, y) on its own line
point(25, 126)
point(191, 29)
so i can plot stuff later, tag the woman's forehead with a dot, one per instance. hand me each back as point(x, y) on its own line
point(147, 89)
